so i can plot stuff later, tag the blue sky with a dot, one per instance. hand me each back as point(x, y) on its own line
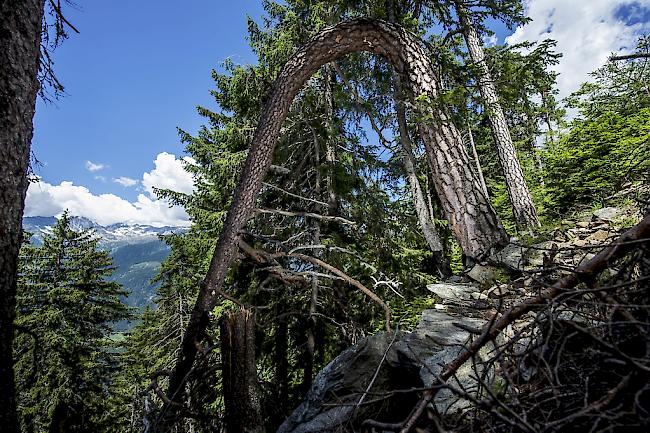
point(139, 68)
point(135, 73)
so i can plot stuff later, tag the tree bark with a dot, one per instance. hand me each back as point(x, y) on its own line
point(471, 217)
point(522, 203)
point(20, 38)
point(240, 387)
point(330, 145)
point(425, 218)
point(479, 170)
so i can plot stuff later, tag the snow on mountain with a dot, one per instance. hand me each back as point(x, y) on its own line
point(137, 251)
point(110, 236)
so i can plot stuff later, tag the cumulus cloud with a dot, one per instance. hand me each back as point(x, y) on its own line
point(169, 174)
point(125, 181)
point(45, 199)
point(490, 41)
point(586, 31)
point(93, 167)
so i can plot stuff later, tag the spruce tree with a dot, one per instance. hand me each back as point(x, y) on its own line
point(64, 352)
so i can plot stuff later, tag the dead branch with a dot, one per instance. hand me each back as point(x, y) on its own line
point(264, 257)
point(349, 280)
point(320, 217)
point(585, 272)
point(59, 13)
point(630, 57)
point(290, 194)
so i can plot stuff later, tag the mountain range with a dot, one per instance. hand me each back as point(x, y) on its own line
point(137, 251)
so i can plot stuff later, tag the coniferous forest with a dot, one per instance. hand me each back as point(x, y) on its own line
point(395, 227)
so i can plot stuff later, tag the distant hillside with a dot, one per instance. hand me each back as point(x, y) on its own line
point(137, 251)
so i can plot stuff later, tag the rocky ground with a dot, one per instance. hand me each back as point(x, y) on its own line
point(366, 386)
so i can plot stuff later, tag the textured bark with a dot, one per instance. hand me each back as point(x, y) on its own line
point(425, 218)
point(477, 162)
point(470, 215)
point(241, 392)
point(20, 37)
point(522, 203)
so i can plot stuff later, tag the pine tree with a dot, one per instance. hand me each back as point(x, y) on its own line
point(64, 352)
point(607, 144)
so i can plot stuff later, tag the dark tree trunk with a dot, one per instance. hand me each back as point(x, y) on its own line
point(240, 387)
point(471, 217)
point(20, 38)
point(281, 368)
point(522, 203)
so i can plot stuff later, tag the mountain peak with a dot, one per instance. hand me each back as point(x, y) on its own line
point(111, 236)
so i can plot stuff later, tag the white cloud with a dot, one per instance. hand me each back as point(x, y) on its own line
point(169, 174)
point(125, 181)
point(91, 166)
point(586, 31)
point(490, 41)
point(45, 199)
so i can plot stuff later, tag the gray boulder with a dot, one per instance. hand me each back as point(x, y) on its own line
point(607, 214)
point(345, 392)
point(452, 291)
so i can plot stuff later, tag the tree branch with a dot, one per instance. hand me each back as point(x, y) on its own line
point(630, 57)
point(585, 272)
point(337, 219)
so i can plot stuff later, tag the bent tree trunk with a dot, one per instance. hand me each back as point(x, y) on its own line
point(522, 203)
point(20, 39)
point(470, 215)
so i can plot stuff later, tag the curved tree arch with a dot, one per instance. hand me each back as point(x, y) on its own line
point(471, 217)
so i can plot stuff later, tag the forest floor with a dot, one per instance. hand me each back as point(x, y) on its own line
point(564, 347)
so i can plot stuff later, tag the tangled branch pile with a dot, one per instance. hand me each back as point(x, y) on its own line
point(580, 363)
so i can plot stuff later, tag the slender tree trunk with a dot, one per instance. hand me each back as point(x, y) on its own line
point(471, 217)
point(281, 363)
point(240, 387)
point(20, 38)
point(308, 368)
point(281, 366)
point(522, 203)
point(547, 115)
point(330, 144)
point(477, 161)
point(425, 218)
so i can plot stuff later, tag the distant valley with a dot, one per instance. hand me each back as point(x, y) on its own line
point(137, 252)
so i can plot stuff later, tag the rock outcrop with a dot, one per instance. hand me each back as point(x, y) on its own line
point(371, 377)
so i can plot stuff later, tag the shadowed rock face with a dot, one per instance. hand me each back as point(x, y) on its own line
point(380, 364)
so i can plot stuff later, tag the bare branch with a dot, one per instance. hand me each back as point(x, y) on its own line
point(337, 219)
point(630, 57)
point(585, 272)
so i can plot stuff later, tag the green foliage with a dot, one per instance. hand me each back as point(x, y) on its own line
point(66, 306)
point(608, 144)
point(330, 163)
point(597, 156)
